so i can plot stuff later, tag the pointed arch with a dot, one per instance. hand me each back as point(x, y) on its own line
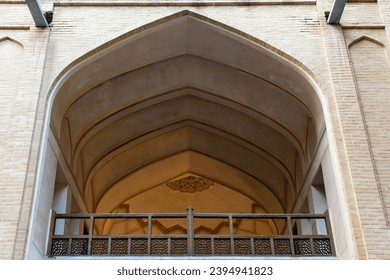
point(368, 72)
point(6, 38)
point(366, 38)
point(186, 84)
point(10, 70)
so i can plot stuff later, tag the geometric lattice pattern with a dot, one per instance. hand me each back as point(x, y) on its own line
point(322, 247)
point(302, 247)
point(202, 246)
point(119, 246)
point(179, 246)
point(59, 247)
point(79, 246)
point(99, 246)
point(262, 246)
point(282, 247)
point(139, 246)
point(242, 246)
point(159, 246)
point(222, 246)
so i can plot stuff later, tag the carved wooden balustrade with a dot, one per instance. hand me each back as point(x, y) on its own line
point(291, 243)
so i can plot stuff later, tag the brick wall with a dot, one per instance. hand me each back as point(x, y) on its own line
point(32, 58)
point(22, 49)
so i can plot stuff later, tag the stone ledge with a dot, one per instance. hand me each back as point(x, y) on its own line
point(183, 3)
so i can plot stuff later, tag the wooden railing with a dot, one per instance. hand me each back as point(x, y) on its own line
point(292, 242)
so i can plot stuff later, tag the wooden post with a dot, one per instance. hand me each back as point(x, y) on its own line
point(149, 234)
point(90, 234)
point(190, 230)
point(231, 232)
point(290, 234)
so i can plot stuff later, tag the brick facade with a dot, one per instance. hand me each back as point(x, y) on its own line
point(348, 61)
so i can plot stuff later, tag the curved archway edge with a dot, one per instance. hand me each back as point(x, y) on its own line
point(69, 79)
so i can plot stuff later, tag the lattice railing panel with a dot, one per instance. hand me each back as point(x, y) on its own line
point(190, 243)
point(262, 246)
point(222, 246)
point(99, 246)
point(79, 247)
point(159, 246)
point(119, 246)
point(202, 246)
point(179, 246)
point(60, 247)
point(322, 247)
point(282, 247)
point(242, 246)
point(302, 247)
point(139, 246)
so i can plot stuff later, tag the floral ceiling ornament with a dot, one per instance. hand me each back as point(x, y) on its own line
point(190, 184)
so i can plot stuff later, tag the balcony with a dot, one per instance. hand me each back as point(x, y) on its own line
point(294, 241)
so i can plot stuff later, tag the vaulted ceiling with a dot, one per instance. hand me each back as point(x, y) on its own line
point(186, 95)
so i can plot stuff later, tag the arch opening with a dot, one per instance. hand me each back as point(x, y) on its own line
point(187, 113)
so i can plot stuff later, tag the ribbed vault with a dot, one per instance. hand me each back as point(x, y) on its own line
point(186, 96)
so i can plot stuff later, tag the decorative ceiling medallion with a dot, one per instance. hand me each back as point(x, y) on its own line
point(190, 184)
